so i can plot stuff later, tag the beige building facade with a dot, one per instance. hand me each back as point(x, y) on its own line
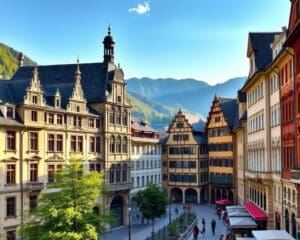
point(185, 164)
point(50, 114)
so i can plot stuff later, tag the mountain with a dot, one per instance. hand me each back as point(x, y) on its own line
point(190, 94)
point(9, 61)
point(157, 115)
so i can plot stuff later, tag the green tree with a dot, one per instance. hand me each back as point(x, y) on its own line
point(67, 209)
point(152, 202)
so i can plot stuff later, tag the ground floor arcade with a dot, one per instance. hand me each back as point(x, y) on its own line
point(188, 194)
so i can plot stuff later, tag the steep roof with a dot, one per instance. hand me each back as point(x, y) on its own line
point(230, 109)
point(260, 42)
point(94, 79)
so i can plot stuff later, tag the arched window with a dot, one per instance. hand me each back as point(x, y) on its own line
point(112, 174)
point(112, 147)
point(124, 173)
point(118, 173)
point(124, 145)
point(118, 144)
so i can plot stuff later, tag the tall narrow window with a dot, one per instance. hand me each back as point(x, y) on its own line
point(73, 143)
point(50, 142)
point(32, 202)
point(34, 99)
point(11, 140)
point(51, 171)
point(33, 172)
point(51, 118)
point(10, 174)
point(33, 141)
point(11, 235)
point(80, 143)
point(92, 144)
point(11, 206)
point(59, 143)
point(34, 116)
point(98, 145)
point(124, 173)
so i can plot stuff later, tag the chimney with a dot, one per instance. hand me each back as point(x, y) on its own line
point(21, 59)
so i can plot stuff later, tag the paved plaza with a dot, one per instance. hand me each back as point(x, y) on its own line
point(141, 231)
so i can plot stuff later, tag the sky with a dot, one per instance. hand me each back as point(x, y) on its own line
point(201, 39)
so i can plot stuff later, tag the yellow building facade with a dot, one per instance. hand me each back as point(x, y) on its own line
point(219, 127)
point(48, 114)
point(185, 162)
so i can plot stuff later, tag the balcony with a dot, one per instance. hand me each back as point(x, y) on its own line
point(122, 186)
point(221, 184)
point(34, 186)
point(295, 175)
point(258, 175)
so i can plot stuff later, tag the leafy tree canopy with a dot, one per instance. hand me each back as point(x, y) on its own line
point(152, 201)
point(66, 210)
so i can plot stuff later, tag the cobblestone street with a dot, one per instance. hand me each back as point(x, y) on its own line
point(141, 231)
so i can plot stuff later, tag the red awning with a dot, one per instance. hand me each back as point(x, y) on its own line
point(256, 212)
point(223, 202)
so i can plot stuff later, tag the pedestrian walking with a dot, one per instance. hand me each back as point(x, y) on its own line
point(176, 210)
point(203, 230)
point(221, 237)
point(196, 232)
point(213, 226)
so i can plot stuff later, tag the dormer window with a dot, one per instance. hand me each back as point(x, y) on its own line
point(34, 99)
point(57, 103)
point(9, 112)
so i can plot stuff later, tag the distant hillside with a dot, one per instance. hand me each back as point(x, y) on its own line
point(192, 95)
point(155, 114)
point(9, 61)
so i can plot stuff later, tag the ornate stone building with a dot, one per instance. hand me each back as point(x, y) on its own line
point(146, 161)
point(185, 162)
point(219, 126)
point(49, 114)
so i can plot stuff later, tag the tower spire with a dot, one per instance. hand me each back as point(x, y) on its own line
point(108, 44)
point(77, 72)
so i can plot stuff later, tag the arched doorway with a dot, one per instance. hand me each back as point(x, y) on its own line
point(212, 196)
point(191, 196)
point(218, 195)
point(277, 221)
point(203, 196)
point(116, 208)
point(287, 222)
point(294, 228)
point(176, 195)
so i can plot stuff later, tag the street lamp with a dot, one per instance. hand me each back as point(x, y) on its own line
point(170, 208)
point(129, 223)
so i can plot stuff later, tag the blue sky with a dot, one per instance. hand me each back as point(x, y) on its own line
point(201, 39)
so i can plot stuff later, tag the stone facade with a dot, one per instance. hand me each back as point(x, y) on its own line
point(46, 120)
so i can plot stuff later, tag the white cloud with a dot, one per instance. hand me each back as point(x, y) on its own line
point(141, 8)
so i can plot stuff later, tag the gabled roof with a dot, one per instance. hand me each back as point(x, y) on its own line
point(94, 79)
point(230, 109)
point(260, 43)
point(139, 125)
